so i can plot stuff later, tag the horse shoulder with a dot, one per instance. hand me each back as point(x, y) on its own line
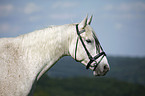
point(10, 66)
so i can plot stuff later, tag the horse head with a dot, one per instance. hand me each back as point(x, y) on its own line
point(86, 48)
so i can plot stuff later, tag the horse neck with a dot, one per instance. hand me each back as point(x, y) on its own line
point(45, 47)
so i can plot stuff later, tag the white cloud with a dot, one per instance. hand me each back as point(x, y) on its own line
point(125, 10)
point(5, 10)
point(138, 6)
point(7, 28)
point(31, 8)
point(108, 7)
point(118, 26)
point(61, 4)
point(135, 6)
point(62, 16)
point(35, 18)
point(4, 27)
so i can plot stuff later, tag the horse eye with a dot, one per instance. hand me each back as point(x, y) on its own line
point(88, 41)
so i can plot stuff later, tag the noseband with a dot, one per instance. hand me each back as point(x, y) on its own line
point(92, 59)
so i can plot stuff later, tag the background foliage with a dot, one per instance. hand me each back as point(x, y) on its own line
point(83, 86)
point(69, 78)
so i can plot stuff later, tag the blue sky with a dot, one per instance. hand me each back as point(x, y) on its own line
point(119, 24)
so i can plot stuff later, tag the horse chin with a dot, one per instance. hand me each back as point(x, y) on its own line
point(98, 73)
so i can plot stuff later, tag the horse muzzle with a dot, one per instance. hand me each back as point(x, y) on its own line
point(101, 70)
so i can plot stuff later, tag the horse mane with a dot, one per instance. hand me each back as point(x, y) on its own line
point(98, 46)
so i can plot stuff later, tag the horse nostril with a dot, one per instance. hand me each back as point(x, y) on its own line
point(106, 68)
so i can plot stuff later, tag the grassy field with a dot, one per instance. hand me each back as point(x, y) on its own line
point(84, 86)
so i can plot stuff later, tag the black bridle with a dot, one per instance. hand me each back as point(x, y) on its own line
point(92, 59)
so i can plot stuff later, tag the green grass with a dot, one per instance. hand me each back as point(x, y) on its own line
point(84, 86)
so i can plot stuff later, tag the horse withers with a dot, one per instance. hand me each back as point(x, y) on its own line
point(24, 59)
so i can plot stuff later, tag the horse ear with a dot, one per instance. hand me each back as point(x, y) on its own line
point(90, 20)
point(83, 23)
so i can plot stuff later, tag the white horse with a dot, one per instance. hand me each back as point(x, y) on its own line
point(24, 59)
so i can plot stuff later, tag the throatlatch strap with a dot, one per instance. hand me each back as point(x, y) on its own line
point(76, 49)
